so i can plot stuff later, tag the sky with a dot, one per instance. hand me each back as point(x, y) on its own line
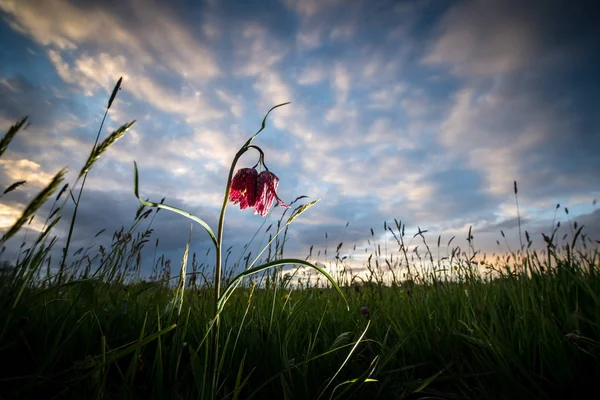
point(421, 111)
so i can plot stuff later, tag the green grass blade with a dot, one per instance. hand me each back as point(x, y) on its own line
point(427, 382)
point(170, 208)
point(239, 384)
point(231, 287)
point(264, 123)
point(158, 359)
point(357, 382)
point(266, 382)
point(131, 370)
point(35, 204)
point(346, 360)
point(120, 352)
point(350, 382)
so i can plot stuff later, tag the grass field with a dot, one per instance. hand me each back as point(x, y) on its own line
point(86, 329)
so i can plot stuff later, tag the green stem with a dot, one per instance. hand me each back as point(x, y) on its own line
point(66, 249)
point(218, 270)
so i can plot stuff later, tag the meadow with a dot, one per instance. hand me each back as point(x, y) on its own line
point(525, 324)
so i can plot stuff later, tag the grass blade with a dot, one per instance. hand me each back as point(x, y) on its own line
point(233, 284)
point(35, 204)
point(264, 123)
point(167, 207)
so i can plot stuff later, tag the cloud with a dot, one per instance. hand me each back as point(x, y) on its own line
point(591, 223)
point(416, 105)
point(496, 40)
point(21, 97)
point(308, 40)
point(17, 170)
point(257, 52)
point(508, 133)
point(92, 73)
point(506, 224)
point(5, 123)
point(67, 27)
point(259, 56)
point(311, 75)
point(488, 38)
point(342, 32)
point(505, 120)
point(235, 102)
point(386, 98)
point(310, 8)
point(340, 83)
point(122, 48)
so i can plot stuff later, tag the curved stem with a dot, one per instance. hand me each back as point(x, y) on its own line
point(218, 261)
point(218, 270)
point(261, 158)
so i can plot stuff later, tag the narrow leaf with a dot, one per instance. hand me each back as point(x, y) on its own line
point(233, 284)
point(170, 208)
point(35, 204)
point(264, 123)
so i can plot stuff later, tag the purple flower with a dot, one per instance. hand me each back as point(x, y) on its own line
point(243, 188)
point(365, 312)
point(266, 185)
point(251, 189)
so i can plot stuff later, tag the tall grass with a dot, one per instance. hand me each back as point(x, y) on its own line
point(420, 325)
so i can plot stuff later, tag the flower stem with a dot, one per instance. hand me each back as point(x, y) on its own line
point(218, 270)
point(72, 225)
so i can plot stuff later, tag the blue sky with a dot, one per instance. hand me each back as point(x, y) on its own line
point(423, 111)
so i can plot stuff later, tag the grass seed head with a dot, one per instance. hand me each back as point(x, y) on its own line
point(102, 147)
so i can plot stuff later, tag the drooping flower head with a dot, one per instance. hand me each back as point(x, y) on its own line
point(243, 188)
point(251, 189)
point(266, 186)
